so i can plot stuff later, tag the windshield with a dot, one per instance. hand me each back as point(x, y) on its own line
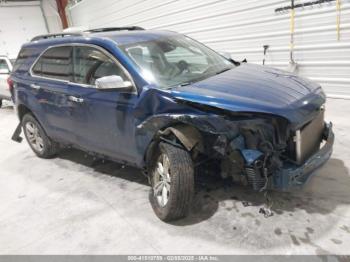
point(175, 60)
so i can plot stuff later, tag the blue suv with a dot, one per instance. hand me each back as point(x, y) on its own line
point(163, 102)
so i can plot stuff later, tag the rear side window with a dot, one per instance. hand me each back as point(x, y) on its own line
point(55, 63)
point(91, 64)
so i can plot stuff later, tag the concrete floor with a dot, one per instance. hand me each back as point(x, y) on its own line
point(75, 205)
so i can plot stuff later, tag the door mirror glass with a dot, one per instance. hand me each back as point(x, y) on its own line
point(4, 71)
point(113, 82)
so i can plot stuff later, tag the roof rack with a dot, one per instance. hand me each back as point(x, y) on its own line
point(48, 36)
point(109, 29)
point(96, 30)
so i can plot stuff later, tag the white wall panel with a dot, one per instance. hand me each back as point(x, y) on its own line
point(242, 28)
point(53, 19)
point(19, 22)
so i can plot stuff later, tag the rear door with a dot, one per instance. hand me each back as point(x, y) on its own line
point(49, 86)
point(102, 119)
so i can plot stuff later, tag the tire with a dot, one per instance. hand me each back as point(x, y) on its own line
point(0, 103)
point(37, 139)
point(178, 182)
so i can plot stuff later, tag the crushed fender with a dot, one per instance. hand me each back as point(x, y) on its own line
point(255, 150)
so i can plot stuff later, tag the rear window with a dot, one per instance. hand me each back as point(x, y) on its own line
point(55, 63)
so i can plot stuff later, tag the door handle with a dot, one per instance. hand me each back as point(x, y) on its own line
point(75, 99)
point(34, 86)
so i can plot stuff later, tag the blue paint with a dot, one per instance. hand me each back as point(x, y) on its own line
point(251, 155)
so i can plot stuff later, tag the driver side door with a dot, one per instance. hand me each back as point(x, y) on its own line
point(102, 119)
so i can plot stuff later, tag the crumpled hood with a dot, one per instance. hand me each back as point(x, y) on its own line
point(254, 88)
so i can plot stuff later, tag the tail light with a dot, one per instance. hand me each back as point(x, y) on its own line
point(10, 84)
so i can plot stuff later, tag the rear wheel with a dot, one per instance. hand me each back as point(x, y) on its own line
point(172, 179)
point(37, 139)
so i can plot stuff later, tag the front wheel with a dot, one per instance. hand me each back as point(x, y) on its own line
point(172, 179)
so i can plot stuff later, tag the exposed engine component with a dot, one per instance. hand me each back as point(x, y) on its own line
point(254, 178)
point(251, 156)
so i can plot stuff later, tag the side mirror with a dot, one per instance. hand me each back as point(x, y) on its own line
point(4, 71)
point(113, 82)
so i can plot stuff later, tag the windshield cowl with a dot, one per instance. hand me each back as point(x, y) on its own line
point(200, 78)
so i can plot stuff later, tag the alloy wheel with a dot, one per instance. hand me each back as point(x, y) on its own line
point(162, 180)
point(34, 136)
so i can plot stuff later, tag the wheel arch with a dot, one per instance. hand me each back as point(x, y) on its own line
point(22, 110)
point(188, 129)
point(185, 135)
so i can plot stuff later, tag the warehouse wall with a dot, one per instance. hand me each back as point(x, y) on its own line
point(242, 28)
point(21, 21)
point(53, 19)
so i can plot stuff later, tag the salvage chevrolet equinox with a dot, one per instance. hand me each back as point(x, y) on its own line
point(169, 105)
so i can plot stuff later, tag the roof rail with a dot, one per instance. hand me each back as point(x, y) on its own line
point(96, 30)
point(48, 36)
point(109, 29)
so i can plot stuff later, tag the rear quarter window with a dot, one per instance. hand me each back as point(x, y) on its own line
point(24, 59)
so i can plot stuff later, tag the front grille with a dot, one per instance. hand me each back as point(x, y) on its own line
point(308, 138)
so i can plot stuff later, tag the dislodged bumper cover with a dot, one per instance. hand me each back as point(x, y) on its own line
point(292, 176)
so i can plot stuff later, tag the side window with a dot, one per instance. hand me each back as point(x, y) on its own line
point(55, 63)
point(3, 64)
point(91, 64)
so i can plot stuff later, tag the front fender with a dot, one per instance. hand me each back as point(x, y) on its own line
point(148, 130)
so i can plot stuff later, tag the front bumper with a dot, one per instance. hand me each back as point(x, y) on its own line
point(292, 176)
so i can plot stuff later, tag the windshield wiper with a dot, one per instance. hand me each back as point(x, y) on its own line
point(192, 81)
point(184, 84)
point(200, 78)
point(224, 70)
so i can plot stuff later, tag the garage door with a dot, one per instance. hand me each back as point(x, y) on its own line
point(19, 22)
point(243, 28)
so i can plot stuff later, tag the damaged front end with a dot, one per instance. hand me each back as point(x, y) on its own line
point(254, 153)
point(266, 156)
point(261, 151)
